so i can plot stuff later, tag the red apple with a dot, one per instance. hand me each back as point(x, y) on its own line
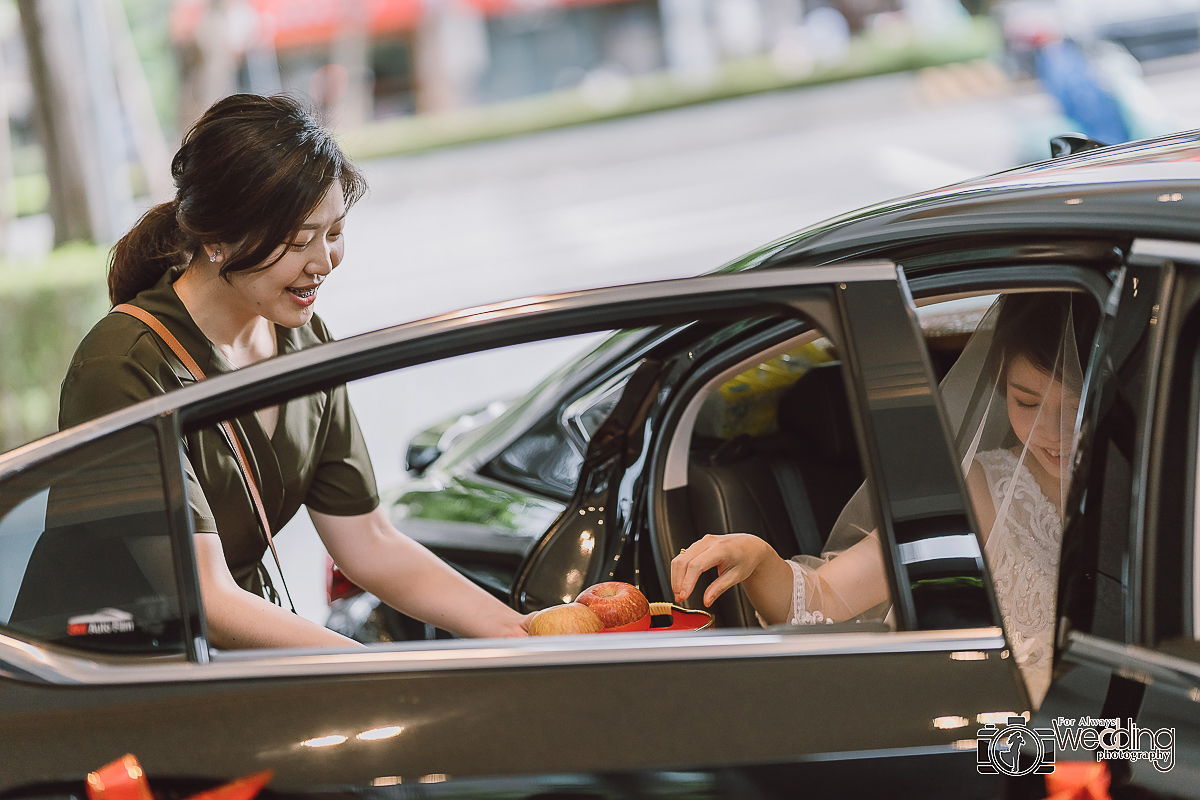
point(615, 603)
point(568, 618)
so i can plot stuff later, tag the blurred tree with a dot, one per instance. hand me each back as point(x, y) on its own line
point(138, 102)
point(351, 50)
point(208, 64)
point(149, 24)
point(90, 97)
point(57, 73)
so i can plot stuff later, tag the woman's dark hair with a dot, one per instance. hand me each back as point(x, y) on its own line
point(1032, 325)
point(247, 174)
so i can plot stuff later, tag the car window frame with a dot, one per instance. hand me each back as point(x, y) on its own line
point(1166, 607)
point(1179, 377)
point(278, 379)
point(840, 328)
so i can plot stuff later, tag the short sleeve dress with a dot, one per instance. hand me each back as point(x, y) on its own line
point(315, 457)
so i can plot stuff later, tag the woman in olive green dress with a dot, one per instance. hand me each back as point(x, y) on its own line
point(231, 268)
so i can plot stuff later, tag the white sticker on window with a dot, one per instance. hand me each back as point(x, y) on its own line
point(106, 620)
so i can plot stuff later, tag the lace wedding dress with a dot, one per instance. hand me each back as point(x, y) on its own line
point(1022, 552)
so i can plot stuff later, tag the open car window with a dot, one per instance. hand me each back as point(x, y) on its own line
point(773, 452)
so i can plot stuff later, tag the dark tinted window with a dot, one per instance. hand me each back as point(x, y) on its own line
point(85, 558)
point(549, 457)
point(542, 459)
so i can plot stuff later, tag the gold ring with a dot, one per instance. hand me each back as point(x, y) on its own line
point(684, 550)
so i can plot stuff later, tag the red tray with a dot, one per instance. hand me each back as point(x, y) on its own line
point(682, 619)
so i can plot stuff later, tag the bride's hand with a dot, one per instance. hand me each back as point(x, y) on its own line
point(736, 556)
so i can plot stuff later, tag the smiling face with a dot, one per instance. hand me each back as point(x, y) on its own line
point(1042, 413)
point(284, 292)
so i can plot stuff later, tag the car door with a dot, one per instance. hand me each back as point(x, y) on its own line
point(721, 713)
point(1131, 660)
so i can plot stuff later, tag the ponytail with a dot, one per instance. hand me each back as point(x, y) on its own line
point(143, 255)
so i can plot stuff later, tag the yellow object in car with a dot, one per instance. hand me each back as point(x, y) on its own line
point(749, 400)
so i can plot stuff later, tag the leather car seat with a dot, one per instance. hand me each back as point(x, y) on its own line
point(788, 488)
point(815, 414)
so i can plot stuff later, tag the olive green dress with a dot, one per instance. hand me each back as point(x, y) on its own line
point(316, 456)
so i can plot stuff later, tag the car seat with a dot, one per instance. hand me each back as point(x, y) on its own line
point(787, 488)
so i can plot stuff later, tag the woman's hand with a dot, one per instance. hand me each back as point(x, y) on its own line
point(736, 556)
point(513, 626)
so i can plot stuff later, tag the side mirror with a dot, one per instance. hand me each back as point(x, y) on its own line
point(1068, 144)
point(428, 445)
point(422, 451)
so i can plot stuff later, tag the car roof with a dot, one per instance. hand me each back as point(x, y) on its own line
point(1148, 188)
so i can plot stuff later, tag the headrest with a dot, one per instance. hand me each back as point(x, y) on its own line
point(816, 412)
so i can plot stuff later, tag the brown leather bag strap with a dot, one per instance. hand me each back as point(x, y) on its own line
point(239, 454)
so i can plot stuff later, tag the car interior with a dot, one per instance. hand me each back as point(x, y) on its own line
point(768, 445)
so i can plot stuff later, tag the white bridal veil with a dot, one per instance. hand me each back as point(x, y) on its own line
point(1012, 398)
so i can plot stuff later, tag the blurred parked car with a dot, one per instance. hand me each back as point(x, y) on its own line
point(834, 337)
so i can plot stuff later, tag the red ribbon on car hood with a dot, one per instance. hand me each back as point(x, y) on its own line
point(124, 779)
point(1078, 780)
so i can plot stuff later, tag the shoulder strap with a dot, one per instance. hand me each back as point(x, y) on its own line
point(239, 454)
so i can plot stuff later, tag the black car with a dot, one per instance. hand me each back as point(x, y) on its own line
point(623, 457)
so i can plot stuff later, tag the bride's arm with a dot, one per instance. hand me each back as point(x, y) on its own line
point(981, 497)
point(785, 591)
point(842, 587)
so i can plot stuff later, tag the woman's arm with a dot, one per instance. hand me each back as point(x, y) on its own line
point(238, 619)
point(844, 586)
point(981, 496)
point(402, 573)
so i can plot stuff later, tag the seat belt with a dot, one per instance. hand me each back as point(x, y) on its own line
point(235, 444)
point(796, 503)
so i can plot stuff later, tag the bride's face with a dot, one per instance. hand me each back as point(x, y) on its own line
point(1042, 413)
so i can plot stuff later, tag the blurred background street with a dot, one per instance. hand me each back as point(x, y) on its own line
point(519, 148)
point(673, 193)
point(663, 195)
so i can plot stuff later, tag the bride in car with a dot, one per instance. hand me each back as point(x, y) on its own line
point(1013, 399)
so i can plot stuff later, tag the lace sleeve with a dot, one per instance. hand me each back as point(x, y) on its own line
point(849, 585)
point(806, 608)
point(802, 611)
